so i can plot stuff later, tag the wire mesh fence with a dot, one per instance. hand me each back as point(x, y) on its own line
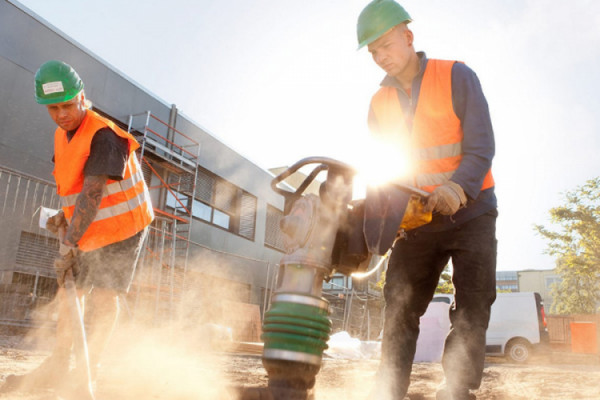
point(27, 279)
point(358, 312)
point(164, 289)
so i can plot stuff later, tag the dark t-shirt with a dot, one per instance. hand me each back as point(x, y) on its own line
point(108, 154)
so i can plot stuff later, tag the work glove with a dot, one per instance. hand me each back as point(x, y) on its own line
point(57, 221)
point(65, 262)
point(446, 199)
point(64, 249)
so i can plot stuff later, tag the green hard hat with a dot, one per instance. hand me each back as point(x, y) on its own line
point(377, 18)
point(56, 82)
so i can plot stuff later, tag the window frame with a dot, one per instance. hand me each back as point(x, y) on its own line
point(234, 219)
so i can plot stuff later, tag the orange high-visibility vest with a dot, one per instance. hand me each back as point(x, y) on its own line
point(125, 208)
point(436, 136)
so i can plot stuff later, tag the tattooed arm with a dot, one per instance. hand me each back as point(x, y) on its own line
point(86, 208)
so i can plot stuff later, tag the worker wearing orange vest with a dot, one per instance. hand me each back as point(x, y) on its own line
point(125, 208)
point(106, 210)
point(436, 110)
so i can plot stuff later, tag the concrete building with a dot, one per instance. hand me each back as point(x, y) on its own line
point(540, 281)
point(507, 281)
point(208, 197)
point(531, 280)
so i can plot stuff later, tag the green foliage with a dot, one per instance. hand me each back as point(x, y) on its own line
point(445, 285)
point(381, 282)
point(576, 248)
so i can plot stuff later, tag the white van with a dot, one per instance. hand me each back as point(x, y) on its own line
point(517, 324)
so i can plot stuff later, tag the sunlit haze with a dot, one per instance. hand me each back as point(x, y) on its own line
point(282, 80)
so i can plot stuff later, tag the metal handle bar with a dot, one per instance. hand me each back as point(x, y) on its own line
point(325, 164)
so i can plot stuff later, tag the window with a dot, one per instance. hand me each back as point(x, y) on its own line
point(247, 222)
point(508, 287)
point(202, 211)
point(551, 280)
point(273, 234)
point(220, 219)
point(215, 201)
point(507, 281)
point(441, 299)
point(37, 251)
point(177, 201)
point(337, 282)
point(506, 275)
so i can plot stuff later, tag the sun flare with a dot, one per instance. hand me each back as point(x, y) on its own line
point(380, 163)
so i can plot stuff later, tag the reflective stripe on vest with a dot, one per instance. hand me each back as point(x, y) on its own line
point(125, 207)
point(428, 180)
point(107, 190)
point(111, 211)
point(443, 151)
point(436, 136)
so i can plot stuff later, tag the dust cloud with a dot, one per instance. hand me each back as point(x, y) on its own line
point(164, 346)
point(162, 364)
point(184, 355)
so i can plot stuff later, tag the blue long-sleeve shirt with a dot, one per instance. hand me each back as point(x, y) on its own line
point(478, 147)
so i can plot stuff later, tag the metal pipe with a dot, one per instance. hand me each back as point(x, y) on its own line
point(266, 295)
point(171, 124)
point(160, 265)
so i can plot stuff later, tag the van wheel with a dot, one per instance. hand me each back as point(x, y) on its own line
point(518, 350)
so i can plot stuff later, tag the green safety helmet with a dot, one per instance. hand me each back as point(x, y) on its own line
point(377, 18)
point(56, 82)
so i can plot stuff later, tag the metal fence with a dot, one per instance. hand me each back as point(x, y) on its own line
point(164, 289)
point(358, 312)
point(27, 280)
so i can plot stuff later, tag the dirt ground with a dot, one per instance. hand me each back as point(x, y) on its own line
point(167, 367)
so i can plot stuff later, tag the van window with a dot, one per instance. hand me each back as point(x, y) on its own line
point(441, 299)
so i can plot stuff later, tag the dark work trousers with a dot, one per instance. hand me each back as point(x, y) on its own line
point(411, 279)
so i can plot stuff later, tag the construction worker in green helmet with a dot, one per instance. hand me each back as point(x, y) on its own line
point(438, 110)
point(104, 218)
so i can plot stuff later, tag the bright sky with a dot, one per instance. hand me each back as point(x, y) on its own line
point(280, 80)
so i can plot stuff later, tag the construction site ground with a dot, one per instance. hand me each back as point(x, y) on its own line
point(170, 366)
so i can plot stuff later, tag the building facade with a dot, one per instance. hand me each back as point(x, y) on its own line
point(540, 281)
point(216, 234)
point(532, 280)
point(507, 281)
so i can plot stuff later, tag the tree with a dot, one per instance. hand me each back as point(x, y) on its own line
point(445, 283)
point(576, 247)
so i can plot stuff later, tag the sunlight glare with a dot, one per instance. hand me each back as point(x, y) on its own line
point(380, 162)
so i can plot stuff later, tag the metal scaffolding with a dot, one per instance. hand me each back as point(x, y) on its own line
point(169, 159)
point(356, 310)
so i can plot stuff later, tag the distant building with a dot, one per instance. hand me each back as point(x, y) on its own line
point(531, 280)
point(216, 235)
point(540, 281)
point(507, 281)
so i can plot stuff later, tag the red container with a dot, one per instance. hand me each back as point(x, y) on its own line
point(584, 338)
